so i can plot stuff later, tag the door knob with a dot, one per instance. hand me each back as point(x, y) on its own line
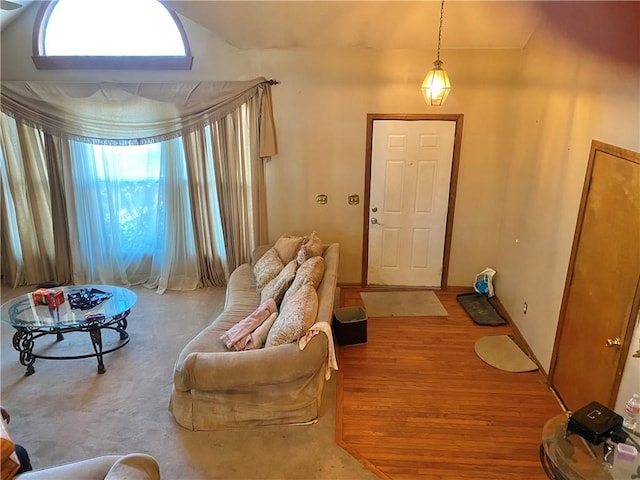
point(374, 221)
point(613, 342)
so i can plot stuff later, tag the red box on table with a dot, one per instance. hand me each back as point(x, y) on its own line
point(48, 296)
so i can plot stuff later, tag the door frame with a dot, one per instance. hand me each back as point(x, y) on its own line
point(371, 117)
point(625, 155)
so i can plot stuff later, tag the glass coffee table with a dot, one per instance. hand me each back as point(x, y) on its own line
point(570, 457)
point(61, 310)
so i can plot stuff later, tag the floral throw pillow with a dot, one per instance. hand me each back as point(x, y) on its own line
point(310, 271)
point(267, 268)
point(295, 318)
point(276, 288)
point(311, 247)
point(287, 247)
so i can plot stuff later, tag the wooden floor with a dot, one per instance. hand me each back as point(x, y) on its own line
point(416, 402)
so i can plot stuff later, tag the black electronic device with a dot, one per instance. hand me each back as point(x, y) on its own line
point(594, 422)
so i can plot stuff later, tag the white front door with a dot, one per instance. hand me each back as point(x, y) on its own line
point(409, 199)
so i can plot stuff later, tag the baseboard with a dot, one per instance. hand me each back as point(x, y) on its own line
point(448, 288)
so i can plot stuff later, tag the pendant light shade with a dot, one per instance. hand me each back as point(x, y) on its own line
point(436, 85)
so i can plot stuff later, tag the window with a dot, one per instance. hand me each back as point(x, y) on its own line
point(125, 183)
point(86, 199)
point(109, 34)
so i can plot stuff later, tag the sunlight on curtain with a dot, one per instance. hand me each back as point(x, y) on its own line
point(132, 217)
point(27, 230)
point(178, 209)
point(12, 260)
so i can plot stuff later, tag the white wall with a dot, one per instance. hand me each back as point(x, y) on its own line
point(580, 82)
point(321, 108)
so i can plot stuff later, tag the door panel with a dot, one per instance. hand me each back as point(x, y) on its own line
point(411, 165)
point(599, 306)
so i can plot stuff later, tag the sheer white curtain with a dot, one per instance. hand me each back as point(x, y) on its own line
point(130, 215)
point(176, 209)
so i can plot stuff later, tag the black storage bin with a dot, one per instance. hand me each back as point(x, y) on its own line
point(350, 325)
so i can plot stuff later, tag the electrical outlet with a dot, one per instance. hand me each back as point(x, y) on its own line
point(525, 307)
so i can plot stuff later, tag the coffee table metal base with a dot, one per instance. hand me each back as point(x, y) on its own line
point(24, 340)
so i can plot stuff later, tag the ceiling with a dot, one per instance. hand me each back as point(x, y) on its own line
point(366, 24)
point(8, 16)
point(476, 24)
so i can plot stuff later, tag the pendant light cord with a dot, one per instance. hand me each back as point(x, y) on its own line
point(440, 29)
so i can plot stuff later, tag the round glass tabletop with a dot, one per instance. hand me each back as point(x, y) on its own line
point(573, 458)
point(70, 306)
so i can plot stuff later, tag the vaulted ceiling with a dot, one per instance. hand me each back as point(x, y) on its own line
point(9, 11)
point(367, 24)
point(392, 24)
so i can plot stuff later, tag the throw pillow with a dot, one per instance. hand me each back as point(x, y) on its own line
point(276, 288)
point(259, 336)
point(287, 247)
point(267, 268)
point(295, 318)
point(310, 271)
point(9, 463)
point(311, 247)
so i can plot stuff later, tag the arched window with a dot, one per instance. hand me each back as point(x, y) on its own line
point(109, 34)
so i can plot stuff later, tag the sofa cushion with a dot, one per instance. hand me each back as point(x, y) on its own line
point(277, 287)
point(295, 318)
point(310, 271)
point(311, 247)
point(267, 268)
point(258, 337)
point(242, 296)
point(287, 247)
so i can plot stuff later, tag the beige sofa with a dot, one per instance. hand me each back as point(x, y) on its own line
point(135, 466)
point(218, 388)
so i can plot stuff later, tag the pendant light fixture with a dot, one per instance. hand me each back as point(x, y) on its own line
point(436, 85)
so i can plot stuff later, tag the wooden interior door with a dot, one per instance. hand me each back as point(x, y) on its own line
point(602, 291)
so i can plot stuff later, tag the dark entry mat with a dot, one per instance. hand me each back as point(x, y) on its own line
point(480, 309)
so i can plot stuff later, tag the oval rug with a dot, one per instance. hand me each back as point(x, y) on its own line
point(501, 352)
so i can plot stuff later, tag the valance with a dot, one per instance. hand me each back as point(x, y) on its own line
point(127, 113)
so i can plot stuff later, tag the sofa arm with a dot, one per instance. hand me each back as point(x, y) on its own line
point(210, 371)
point(136, 466)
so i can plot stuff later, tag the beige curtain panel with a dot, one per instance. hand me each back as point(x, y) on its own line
point(225, 130)
point(109, 112)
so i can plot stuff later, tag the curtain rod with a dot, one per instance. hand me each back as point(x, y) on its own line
point(273, 82)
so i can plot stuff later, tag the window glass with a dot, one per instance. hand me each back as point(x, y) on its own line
point(124, 182)
point(111, 28)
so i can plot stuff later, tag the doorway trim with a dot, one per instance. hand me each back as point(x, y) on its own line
point(371, 117)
